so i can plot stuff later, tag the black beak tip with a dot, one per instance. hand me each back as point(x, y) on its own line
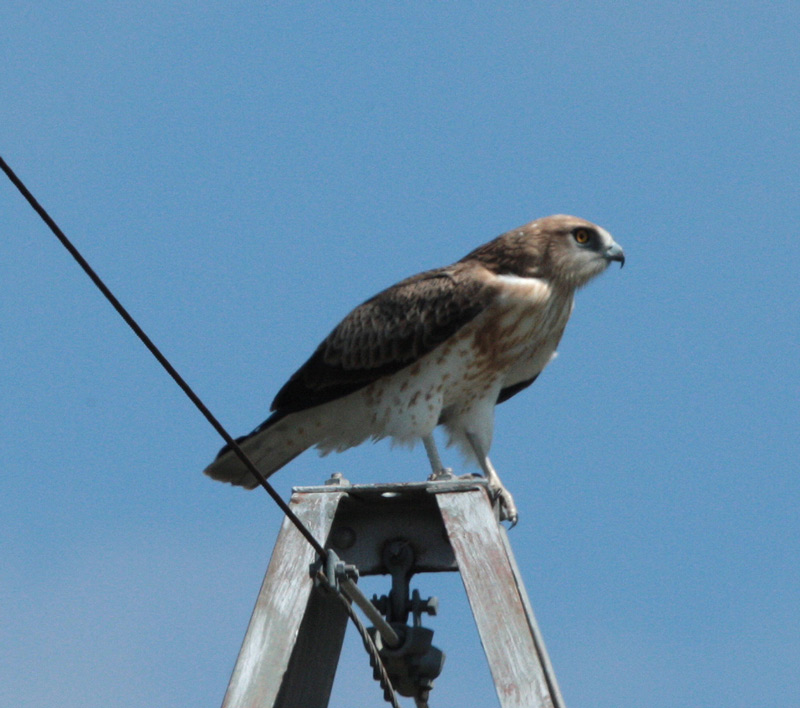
point(615, 253)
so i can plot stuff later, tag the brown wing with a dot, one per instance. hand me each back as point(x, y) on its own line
point(385, 334)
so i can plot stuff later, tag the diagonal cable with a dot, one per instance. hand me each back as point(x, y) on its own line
point(375, 659)
point(209, 416)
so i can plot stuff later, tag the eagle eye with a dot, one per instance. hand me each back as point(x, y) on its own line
point(582, 235)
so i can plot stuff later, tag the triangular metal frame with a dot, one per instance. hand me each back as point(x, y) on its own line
point(291, 649)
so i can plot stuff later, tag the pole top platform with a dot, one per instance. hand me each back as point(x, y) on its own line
point(370, 515)
point(337, 483)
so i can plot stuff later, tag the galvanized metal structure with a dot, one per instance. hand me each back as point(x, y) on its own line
point(292, 645)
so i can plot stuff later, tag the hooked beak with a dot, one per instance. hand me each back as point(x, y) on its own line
point(615, 253)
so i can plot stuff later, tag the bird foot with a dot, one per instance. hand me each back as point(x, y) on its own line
point(446, 475)
point(507, 507)
point(442, 474)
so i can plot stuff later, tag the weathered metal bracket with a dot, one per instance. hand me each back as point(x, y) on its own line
point(292, 646)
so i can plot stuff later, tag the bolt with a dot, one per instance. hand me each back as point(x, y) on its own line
point(343, 537)
point(336, 479)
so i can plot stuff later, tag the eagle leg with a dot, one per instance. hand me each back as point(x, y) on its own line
point(508, 509)
point(439, 471)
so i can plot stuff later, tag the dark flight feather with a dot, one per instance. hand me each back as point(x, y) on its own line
point(513, 390)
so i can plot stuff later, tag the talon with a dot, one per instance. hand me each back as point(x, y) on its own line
point(508, 509)
point(512, 519)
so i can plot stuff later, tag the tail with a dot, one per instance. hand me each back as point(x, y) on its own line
point(276, 442)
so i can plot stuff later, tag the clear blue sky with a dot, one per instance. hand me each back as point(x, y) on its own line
point(243, 174)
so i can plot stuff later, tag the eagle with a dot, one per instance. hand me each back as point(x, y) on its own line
point(443, 347)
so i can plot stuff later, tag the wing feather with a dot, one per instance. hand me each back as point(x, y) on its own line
point(385, 334)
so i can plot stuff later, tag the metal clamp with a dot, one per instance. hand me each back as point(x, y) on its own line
point(341, 577)
point(414, 663)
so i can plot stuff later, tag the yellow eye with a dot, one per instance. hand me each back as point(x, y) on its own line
point(582, 236)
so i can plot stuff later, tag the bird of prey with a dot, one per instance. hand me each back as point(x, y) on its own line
point(440, 348)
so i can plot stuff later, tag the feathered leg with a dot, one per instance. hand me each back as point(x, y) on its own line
point(508, 509)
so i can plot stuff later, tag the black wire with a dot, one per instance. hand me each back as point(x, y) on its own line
point(161, 358)
point(375, 658)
